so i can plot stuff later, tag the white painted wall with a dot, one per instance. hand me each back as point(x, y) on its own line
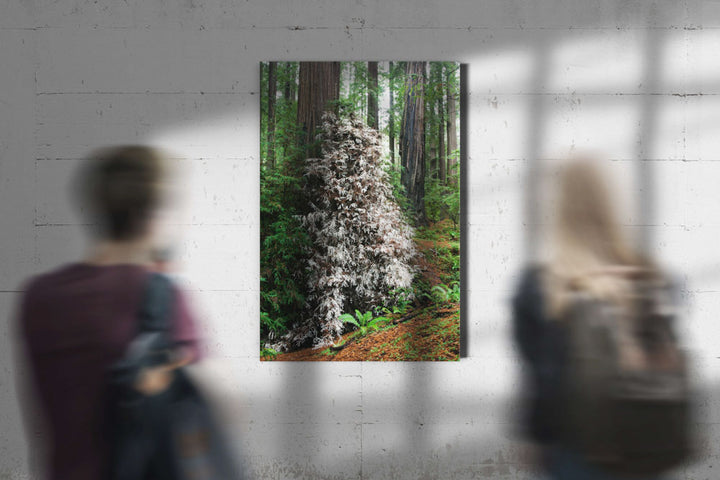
point(630, 78)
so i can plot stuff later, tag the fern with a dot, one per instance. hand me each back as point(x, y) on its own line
point(443, 293)
point(364, 322)
point(347, 318)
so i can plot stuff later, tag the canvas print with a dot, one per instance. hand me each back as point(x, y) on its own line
point(360, 211)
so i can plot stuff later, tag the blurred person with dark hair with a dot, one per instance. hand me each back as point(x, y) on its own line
point(74, 322)
point(589, 259)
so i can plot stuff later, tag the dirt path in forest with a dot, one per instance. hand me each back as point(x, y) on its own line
point(431, 332)
point(432, 335)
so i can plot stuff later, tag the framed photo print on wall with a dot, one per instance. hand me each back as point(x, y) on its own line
point(360, 186)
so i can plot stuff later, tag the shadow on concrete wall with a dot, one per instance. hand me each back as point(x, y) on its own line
point(415, 444)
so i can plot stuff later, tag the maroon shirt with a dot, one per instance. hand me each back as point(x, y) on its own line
point(74, 323)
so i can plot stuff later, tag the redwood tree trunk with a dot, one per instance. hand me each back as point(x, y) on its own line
point(372, 102)
point(431, 124)
point(289, 87)
point(442, 158)
point(391, 119)
point(412, 139)
point(272, 94)
point(319, 89)
point(451, 129)
point(289, 99)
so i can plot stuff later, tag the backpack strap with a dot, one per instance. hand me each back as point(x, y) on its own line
point(152, 345)
point(156, 307)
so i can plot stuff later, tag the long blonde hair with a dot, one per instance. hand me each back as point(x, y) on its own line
point(590, 252)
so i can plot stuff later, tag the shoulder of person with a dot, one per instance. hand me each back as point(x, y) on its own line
point(40, 281)
point(31, 284)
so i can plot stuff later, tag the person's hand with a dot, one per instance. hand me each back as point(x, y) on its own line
point(154, 380)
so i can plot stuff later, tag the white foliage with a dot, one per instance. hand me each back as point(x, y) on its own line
point(362, 246)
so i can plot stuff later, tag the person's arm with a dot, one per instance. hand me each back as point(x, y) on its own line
point(527, 306)
point(36, 429)
point(185, 331)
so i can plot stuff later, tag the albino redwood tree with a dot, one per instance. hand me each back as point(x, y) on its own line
point(362, 248)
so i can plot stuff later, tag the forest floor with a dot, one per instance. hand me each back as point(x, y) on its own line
point(428, 330)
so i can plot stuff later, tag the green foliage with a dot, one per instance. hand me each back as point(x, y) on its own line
point(403, 299)
point(344, 106)
point(284, 241)
point(363, 322)
point(442, 201)
point(286, 128)
point(283, 283)
point(273, 326)
point(445, 252)
point(442, 231)
point(435, 89)
point(442, 195)
point(448, 259)
point(267, 353)
point(452, 202)
point(441, 249)
point(444, 293)
point(421, 288)
point(395, 309)
point(355, 96)
point(398, 190)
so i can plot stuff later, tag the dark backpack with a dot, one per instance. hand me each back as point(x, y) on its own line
point(626, 393)
point(169, 436)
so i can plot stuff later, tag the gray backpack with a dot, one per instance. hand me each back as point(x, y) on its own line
point(626, 390)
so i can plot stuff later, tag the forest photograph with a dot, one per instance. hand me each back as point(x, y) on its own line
point(360, 211)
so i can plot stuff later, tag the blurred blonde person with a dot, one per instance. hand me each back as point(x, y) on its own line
point(588, 252)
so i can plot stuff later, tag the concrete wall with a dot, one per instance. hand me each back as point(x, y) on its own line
point(632, 79)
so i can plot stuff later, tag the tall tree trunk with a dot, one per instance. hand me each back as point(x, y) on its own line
point(372, 95)
point(430, 123)
point(412, 139)
point(272, 94)
point(391, 119)
point(442, 157)
point(288, 99)
point(451, 120)
point(263, 118)
point(289, 87)
point(431, 147)
point(319, 89)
